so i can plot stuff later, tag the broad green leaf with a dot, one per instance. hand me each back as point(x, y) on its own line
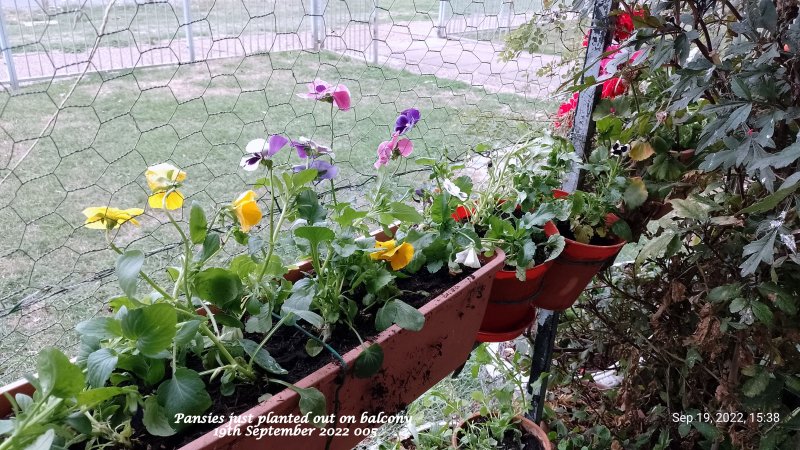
point(762, 313)
point(314, 235)
point(128, 266)
point(635, 194)
point(99, 366)
point(6, 426)
point(311, 401)
point(622, 230)
point(43, 442)
point(709, 431)
point(737, 305)
point(761, 250)
point(184, 393)
point(641, 150)
point(262, 357)
point(725, 292)
point(771, 201)
point(198, 225)
point(100, 327)
point(218, 286)
point(313, 347)
point(155, 418)
point(405, 213)
point(757, 384)
point(656, 247)
point(348, 216)
point(211, 245)
point(92, 397)
point(401, 313)
point(308, 207)
point(243, 265)
point(57, 375)
point(304, 177)
point(151, 327)
point(690, 209)
point(368, 362)
point(186, 333)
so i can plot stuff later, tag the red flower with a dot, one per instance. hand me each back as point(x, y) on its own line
point(614, 87)
point(624, 27)
point(565, 109)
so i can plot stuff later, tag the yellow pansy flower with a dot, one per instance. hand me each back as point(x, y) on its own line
point(105, 218)
point(398, 256)
point(247, 211)
point(174, 200)
point(164, 176)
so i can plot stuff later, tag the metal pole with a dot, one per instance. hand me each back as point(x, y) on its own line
point(509, 6)
point(316, 23)
point(187, 18)
point(441, 26)
point(374, 28)
point(8, 55)
point(582, 131)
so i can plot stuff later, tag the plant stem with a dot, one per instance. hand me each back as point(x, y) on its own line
point(246, 371)
point(272, 239)
point(186, 246)
point(267, 338)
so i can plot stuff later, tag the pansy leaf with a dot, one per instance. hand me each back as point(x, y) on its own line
point(184, 393)
point(198, 225)
point(152, 328)
point(401, 313)
point(155, 418)
point(127, 267)
point(312, 402)
point(405, 213)
point(368, 362)
point(57, 375)
point(308, 207)
point(304, 177)
point(100, 327)
point(262, 357)
point(99, 366)
point(218, 286)
point(211, 244)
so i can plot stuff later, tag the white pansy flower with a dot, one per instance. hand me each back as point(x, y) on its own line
point(468, 257)
point(454, 190)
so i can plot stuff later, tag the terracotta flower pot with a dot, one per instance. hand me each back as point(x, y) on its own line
point(573, 269)
point(509, 311)
point(526, 426)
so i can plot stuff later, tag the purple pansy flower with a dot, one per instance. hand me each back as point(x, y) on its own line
point(306, 148)
point(261, 149)
point(325, 170)
point(323, 91)
point(406, 120)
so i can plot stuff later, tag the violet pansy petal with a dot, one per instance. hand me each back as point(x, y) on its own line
point(276, 142)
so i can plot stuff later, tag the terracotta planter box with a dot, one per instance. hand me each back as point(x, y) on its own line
point(526, 425)
point(413, 362)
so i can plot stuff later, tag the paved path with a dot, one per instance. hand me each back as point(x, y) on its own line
point(411, 46)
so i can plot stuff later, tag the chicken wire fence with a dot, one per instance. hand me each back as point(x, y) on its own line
point(95, 92)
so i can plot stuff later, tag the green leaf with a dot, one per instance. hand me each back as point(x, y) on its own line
point(656, 247)
point(57, 375)
point(622, 230)
point(348, 216)
point(92, 397)
point(311, 401)
point(43, 442)
point(198, 225)
point(184, 393)
point(635, 194)
point(758, 251)
point(304, 177)
point(155, 418)
point(769, 202)
point(187, 331)
point(708, 430)
point(100, 327)
point(369, 362)
point(151, 327)
point(737, 305)
point(405, 213)
point(757, 384)
point(690, 209)
point(762, 313)
point(377, 279)
point(401, 313)
point(313, 347)
point(128, 266)
point(218, 286)
point(211, 245)
point(99, 366)
point(314, 235)
point(308, 207)
point(262, 357)
point(724, 292)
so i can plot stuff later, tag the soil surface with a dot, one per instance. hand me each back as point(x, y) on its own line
point(287, 346)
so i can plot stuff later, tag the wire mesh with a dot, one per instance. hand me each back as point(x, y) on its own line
point(108, 88)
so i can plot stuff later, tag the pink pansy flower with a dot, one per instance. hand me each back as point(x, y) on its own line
point(323, 91)
point(389, 150)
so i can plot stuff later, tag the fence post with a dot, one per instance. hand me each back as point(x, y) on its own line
point(508, 7)
point(441, 26)
point(582, 130)
point(317, 23)
point(8, 55)
point(187, 18)
point(374, 31)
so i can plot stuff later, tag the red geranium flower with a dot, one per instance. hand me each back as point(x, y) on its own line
point(565, 110)
point(614, 87)
point(624, 27)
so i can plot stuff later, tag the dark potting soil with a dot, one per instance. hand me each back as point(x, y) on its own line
point(566, 230)
point(511, 440)
point(287, 346)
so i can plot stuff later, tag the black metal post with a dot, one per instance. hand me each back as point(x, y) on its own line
point(582, 131)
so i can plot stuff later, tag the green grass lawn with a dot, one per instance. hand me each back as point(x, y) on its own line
point(199, 117)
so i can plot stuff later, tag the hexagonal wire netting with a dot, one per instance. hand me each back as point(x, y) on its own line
point(94, 92)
